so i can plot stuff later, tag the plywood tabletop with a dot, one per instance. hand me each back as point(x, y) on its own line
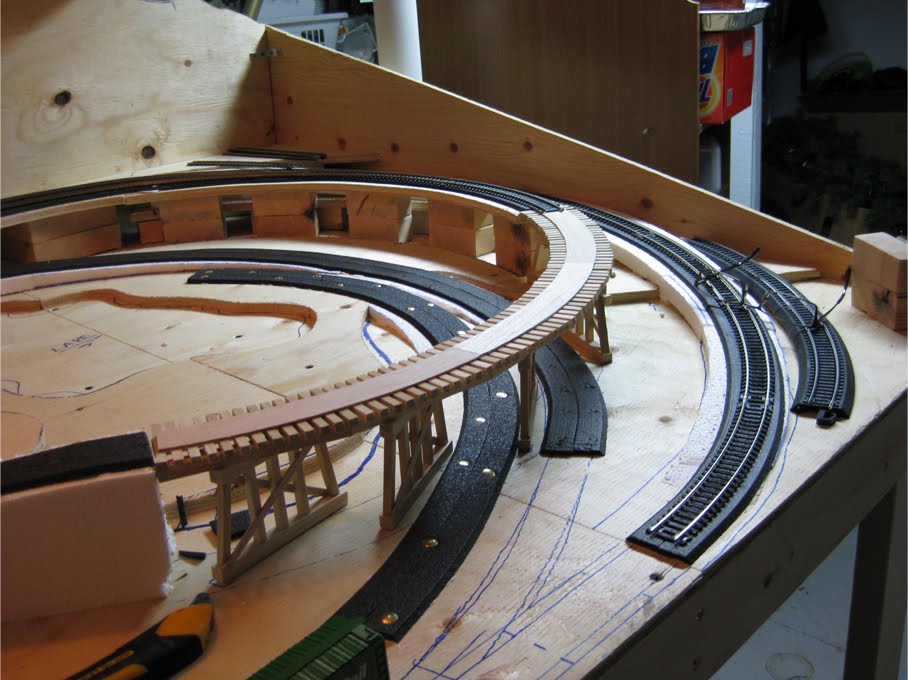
point(551, 588)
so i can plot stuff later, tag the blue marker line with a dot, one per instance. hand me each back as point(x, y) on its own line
point(368, 338)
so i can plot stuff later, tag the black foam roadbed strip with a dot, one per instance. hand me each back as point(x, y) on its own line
point(396, 595)
point(82, 460)
point(577, 420)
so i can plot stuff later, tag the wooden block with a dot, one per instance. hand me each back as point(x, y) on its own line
point(461, 216)
point(463, 241)
point(460, 228)
point(144, 215)
point(193, 230)
point(329, 213)
point(47, 239)
point(512, 245)
point(882, 259)
point(520, 247)
point(207, 209)
point(379, 216)
point(283, 225)
point(880, 303)
point(283, 203)
point(62, 225)
point(151, 231)
point(380, 228)
point(79, 244)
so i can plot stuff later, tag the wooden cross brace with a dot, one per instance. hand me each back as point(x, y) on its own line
point(273, 523)
point(412, 447)
point(589, 338)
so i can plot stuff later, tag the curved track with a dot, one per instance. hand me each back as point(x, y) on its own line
point(825, 375)
point(751, 427)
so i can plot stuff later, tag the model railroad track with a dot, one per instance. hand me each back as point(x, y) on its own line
point(825, 372)
point(751, 426)
point(512, 198)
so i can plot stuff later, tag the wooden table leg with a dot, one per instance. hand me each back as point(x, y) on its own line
point(876, 625)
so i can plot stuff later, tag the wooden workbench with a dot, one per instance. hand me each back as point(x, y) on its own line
point(551, 588)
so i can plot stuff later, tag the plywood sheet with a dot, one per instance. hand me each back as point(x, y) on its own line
point(87, 88)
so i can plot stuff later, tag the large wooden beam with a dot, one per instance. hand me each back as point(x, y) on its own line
point(327, 101)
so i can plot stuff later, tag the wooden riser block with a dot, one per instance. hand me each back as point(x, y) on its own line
point(286, 203)
point(360, 204)
point(518, 247)
point(79, 244)
point(463, 241)
point(151, 231)
point(206, 209)
point(298, 226)
point(396, 230)
point(193, 230)
point(63, 225)
point(882, 259)
point(882, 304)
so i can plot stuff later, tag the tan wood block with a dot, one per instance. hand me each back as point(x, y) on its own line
point(78, 244)
point(293, 226)
point(283, 203)
point(151, 231)
point(882, 259)
point(203, 209)
point(882, 304)
point(462, 240)
point(51, 228)
point(193, 230)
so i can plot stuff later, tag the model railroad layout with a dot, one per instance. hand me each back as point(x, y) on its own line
point(474, 361)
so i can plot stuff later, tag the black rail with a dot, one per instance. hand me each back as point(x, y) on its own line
point(825, 372)
point(513, 198)
point(751, 427)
